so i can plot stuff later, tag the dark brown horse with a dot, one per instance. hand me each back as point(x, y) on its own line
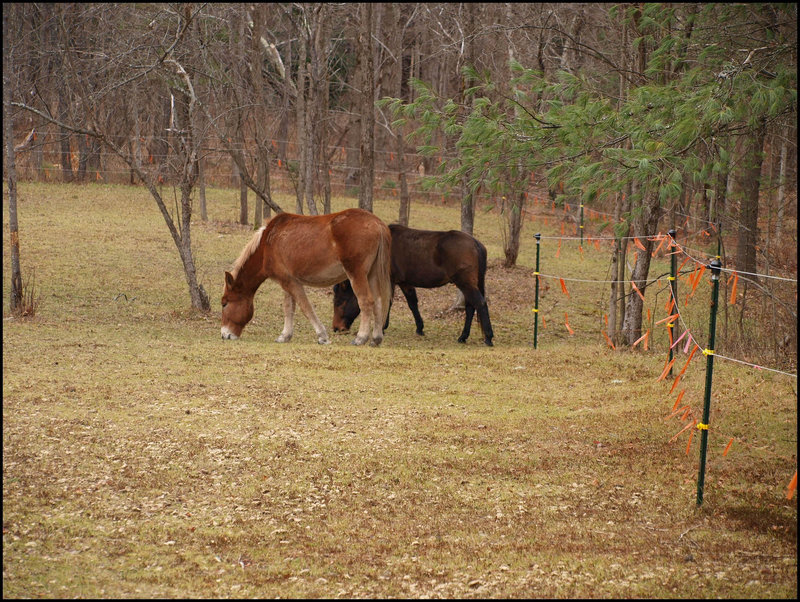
point(298, 251)
point(428, 259)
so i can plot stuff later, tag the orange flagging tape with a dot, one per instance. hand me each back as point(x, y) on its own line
point(608, 340)
point(675, 383)
point(697, 280)
point(636, 288)
point(563, 286)
point(667, 319)
point(677, 401)
point(641, 338)
point(686, 365)
point(666, 369)
point(727, 447)
point(639, 244)
point(686, 413)
point(691, 355)
point(688, 445)
point(658, 248)
point(792, 486)
point(733, 289)
point(684, 409)
point(676, 435)
point(566, 322)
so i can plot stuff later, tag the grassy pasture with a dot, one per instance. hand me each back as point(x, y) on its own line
point(145, 457)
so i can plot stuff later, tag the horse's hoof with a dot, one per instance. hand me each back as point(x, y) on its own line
point(489, 343)
point(375, 342)
point(283, 339)
point(462, 339)
point(420, 333)
point(324, 341)
point(359, 341)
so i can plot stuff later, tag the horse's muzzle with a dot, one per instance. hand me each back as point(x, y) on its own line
point(228, 335)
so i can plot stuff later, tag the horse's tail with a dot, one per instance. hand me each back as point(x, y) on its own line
point(382, 269)
point(481, 267)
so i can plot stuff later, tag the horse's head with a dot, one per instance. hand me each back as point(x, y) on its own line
point(345, 306)
point(237, 308)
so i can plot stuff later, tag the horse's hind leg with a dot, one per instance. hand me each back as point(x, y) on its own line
point(469, 312)
point(486, 323)
point(410, 294)
point(475, 302)
point(370, 308)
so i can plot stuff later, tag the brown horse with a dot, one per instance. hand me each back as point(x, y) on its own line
point(428, 259)
point(298, 251)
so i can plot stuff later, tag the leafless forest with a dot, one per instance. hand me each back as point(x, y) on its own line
point(678, 116)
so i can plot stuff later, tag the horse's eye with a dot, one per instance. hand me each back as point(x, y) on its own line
point(224, 303)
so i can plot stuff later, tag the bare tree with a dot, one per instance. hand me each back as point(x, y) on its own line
point(100, 81)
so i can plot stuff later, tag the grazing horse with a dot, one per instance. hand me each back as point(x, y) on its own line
point(298, 251)
point(428, 259)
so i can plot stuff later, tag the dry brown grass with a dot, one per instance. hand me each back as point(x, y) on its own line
point(145, 457)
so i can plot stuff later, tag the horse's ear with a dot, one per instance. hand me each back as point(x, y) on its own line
point(229, 280)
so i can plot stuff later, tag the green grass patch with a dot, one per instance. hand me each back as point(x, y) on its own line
point(145, 457)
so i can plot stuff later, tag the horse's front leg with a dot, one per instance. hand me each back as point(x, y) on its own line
point(299, 294)
point(288, 318)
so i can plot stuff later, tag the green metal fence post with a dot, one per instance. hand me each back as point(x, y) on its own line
point(715, 266)
point(538, 237)
point(673, 283)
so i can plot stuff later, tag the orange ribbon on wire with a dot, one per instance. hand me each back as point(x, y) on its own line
point(666, 369)
point(733, 288)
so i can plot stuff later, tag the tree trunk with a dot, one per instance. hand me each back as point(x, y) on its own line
point(187, 151)
point(300, 124)
point(782, 184)
point(66, 156)
point(367, 146)
point(621, 265)
point(242, 201)
point(644, 227)
point(750, 178)
point(467, 197)
point(11, 173)
point(617, 286)
point(310, 119)
point(201, 186)
point(83, 158)
point(514, 230)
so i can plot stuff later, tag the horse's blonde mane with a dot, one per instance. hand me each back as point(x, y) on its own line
point(247, 252)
